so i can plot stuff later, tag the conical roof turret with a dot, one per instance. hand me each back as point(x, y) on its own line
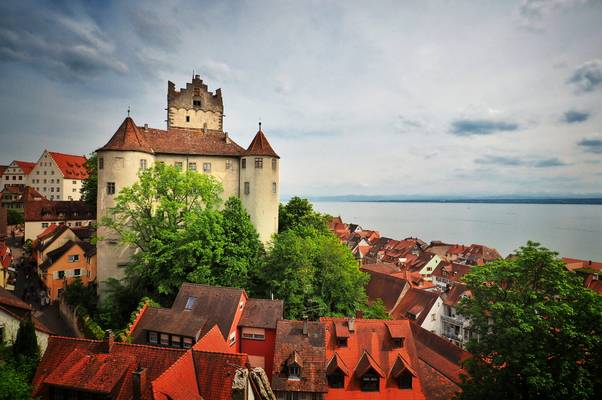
point(260, 146)
point(128, 138)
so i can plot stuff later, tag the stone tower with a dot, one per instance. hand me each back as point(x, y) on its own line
point(194, 106)
point(260, 185)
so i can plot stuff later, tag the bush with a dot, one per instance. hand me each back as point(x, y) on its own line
point(15, 217)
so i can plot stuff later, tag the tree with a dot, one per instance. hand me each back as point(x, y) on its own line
point(172, 219)
point(26, 343)
point(299, 214)
point(242, 251)
point(14, 217)
point(78, 294)
point(539, 330)
point(13, 384)
point(90, 185)
point(315, 275)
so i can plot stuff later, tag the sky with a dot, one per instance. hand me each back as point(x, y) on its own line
point(390, 98)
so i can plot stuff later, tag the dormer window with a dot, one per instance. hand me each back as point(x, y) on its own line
point(398, 343)
point(370, 381)
point(404, 380)
point(190, 303)
point(336, 380)
point(294, 371)
point(341, 342)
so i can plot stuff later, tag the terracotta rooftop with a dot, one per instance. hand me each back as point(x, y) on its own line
point(26, 166)
point(212, 341)
point(417, 302)
point(260, 146)
point(262, 313)
point(48, 210)
point(575, 263)
point(167, 320)
point(71, 166)
point(385, 287)
point(291, 340)
point(455, 294)
point(130, 137)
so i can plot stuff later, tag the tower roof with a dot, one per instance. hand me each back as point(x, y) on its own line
point(128, 137)
point(260, 146)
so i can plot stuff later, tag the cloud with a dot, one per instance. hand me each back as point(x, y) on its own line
point(520, 162)
point(575, 117)
point(591, 145)
point(533, 12)
point(469, 127)
point(219, 71)
point(64, 46)
point(407, 125)
point(587, 77)
point(155, 31)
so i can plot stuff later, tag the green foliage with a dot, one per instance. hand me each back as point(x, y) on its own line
point(540, 330)
point(90, 186)
point(78, 294)
point(298, 214)
point(14, 217)
point(314, 274)
point(242, 253)
point(376, 310)
point(172, 218)
point(26, 343)
point(14, 384)
point(120, 299)
point(89, 327)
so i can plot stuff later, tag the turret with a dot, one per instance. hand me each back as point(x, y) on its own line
point(194, 106)
point(260, 185)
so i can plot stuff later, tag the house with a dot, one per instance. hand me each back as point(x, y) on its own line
point(300, 361)
point(59, 176)
point(14, 197)
point(12, 311)
point(39, 215)
point(455, 326)
point(590, 270)
point(63, 265)
point(246, 325)
point(7, 270)
point(384, 284)
point(422, 306)
point(477, 254)
point(448, 273)
point(17, 173)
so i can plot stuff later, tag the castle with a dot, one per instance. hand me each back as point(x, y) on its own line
point(195, 141)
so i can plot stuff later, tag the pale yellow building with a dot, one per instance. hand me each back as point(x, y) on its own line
point(58, 176)
point(194, 140)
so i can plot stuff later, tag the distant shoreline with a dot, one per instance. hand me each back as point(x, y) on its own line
point(565, 201)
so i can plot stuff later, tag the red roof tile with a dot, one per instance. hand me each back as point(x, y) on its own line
point(417, 302)
point(575, 263)
point(130, 137)
point(49, 210)
point(212, 341)
point(71, 166)
point(262, 313)
point(26, 166)
point(260, 146)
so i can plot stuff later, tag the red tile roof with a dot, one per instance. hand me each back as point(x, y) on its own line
point(71, 166)
point(260, 146)
point(212, 341)
point(575, 263)
point(455, 294)
point(262, 313)
point(64, 354)
point(385, 287)
point(130, 137)
point(417, 302)
point(26, 166)
point(9, 299)
point(49, 210)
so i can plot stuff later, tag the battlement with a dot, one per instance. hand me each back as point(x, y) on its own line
point(194, 106)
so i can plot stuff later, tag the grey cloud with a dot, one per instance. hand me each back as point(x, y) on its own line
point(520, 162)
point(591, 145)
point(533, 12)
point(405, 124)
point(469, 127)
point(64, 46)
point(587, 77)
point(575, 117)
point(160, 32)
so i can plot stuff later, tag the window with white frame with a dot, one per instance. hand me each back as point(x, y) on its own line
point(73, 258)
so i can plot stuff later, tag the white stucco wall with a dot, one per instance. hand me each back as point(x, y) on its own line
point(10, 326)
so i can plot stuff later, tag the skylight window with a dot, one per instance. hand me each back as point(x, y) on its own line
point(190, 303)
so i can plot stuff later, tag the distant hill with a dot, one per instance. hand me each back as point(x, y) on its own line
point(593, 200)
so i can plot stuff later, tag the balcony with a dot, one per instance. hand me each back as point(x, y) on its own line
point(457, 320)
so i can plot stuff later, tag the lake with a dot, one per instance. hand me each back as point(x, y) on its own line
point(571, 230)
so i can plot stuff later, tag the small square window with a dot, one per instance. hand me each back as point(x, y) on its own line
point(228, 164)
point(258, 162)
point(77, 272)
point(176, 341)
point(192, 166)
point(187, 343)
point(74, 258)
point(207, 167)
point(178, 165)
point(61, 274)
point(247, 188)
point(196, 103)
point(188, 118)
point(142, 164)
point(153, 338)
point(341, 342)
point(110, 188)
point(75, 182)
point(164, 339)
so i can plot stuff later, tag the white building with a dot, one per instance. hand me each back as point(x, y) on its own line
point(59, 176)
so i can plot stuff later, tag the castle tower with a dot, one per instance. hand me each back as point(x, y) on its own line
point(260, 185)
point(194, 106)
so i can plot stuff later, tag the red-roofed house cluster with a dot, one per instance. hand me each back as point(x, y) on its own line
point(217, 343)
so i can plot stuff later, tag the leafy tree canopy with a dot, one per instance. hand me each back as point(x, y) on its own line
point(26, 343)
point(14, 217)
point(298, 214)
point(540, 330)
point(90, 185)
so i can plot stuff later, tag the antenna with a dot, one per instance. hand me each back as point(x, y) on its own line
point(128, 111)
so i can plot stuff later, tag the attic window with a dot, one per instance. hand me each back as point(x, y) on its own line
point(341, 342)
point(196, 103)
point(397, 343)
point(404, 380)
point(336, 380)
point(370, 382)
point(190, 303)
point(294, 371)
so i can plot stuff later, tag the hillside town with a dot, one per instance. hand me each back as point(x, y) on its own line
point(215, 341)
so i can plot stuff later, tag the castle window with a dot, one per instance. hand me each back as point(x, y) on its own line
point(228, 164)
point(247, 188)
point(101, 163)
point(274, 164)
point(196, 91)
point(207, 167)
point(142, 164)
point(188, 118)
point(192, 166)
point(196, 103)
point(258, 162)
point(243, 163)
point(178, 165)
point(110, 188)
point(274, 187)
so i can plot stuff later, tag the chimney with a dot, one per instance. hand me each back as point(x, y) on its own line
point(227, 138)
point(305, 326)
point(138, 382)
point(108, 341)
point(588, 263)
point(145, 127)
point(351, 324)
